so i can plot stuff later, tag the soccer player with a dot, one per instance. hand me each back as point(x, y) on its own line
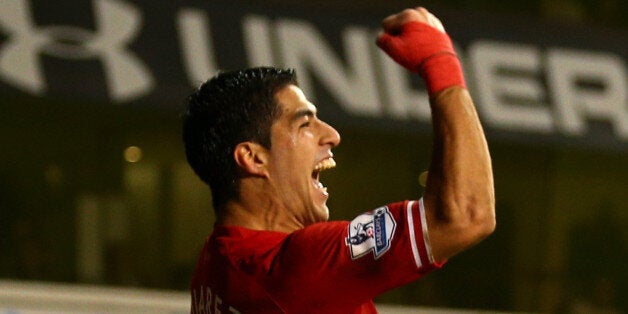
point(254, 137)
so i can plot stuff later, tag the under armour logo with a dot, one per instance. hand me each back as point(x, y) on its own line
point(117, 24)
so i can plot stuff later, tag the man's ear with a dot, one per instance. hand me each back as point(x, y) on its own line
point(251, 158)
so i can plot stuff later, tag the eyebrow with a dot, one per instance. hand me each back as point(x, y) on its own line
point(306, 112)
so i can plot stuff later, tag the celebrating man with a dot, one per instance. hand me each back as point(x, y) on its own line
point(254, 137)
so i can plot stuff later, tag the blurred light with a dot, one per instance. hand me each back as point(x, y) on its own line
point(54, 175)
point(133, 154)
point(423, 178)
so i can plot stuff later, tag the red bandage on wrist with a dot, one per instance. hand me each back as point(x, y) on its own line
point(426, 50)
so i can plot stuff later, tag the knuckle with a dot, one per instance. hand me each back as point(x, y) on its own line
point(417, 14)
point(409, 13)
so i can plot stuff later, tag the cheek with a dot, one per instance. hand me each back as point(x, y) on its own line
point(295, 154)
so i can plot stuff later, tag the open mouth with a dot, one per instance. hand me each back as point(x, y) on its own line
point(321, 166)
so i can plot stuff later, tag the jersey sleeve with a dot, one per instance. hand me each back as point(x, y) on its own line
point(344, 264)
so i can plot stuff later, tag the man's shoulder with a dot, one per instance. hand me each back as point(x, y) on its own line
point(251, 251)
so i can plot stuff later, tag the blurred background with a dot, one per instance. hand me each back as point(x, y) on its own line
point(94, 186)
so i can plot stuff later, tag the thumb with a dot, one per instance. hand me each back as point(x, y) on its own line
point(385, 41)
point(395, 47)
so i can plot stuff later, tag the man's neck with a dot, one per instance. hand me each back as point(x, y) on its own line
point(257, 215)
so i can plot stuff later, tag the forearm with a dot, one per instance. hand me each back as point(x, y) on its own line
point(459, 195)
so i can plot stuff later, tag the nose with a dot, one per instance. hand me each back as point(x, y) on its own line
point(329, 135)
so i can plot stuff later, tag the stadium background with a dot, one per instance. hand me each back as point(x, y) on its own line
point(94, 187)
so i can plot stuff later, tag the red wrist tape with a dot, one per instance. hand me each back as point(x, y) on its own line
point(426, 50)
point(442, 71)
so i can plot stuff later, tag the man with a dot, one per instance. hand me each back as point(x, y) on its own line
point(253, 136)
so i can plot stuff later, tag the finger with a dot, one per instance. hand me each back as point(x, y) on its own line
point(435, 22)
point(383, 40)
point(422, 10)
point(431, 19)
point(412, 15)
point(389, 44)
point(390, 23)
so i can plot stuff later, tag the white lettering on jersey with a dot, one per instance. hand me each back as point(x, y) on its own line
point(205, 301)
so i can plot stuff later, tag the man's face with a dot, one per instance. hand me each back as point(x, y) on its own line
point(300, 149)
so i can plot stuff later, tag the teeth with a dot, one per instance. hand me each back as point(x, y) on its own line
point(325, 164)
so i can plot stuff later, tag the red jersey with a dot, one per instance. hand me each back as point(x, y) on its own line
point(328, 267)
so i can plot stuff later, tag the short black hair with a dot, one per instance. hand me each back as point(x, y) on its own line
point(228, 109)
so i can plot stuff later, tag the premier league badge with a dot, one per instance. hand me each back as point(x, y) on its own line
point(372, 231)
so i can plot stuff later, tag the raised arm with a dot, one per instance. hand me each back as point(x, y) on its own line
point(459, 197)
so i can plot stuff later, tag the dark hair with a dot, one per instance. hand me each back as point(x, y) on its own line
point(228, 109)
